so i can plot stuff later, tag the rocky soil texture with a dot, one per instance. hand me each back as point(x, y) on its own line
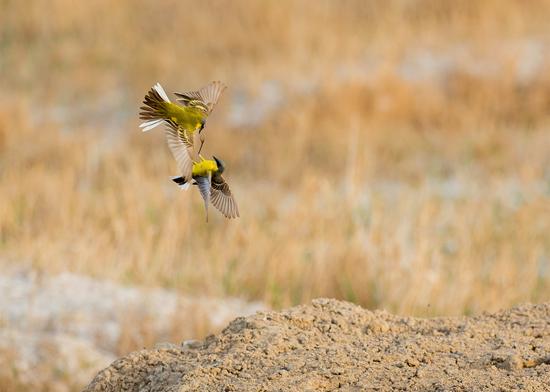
point(330, 345)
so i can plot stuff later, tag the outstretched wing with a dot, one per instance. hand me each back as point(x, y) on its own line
point(183, 144)
point(204, 99)
point(222, 198)
point(204, 188)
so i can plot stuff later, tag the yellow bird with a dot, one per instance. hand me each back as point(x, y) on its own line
point(207, 175)
point(184, 123)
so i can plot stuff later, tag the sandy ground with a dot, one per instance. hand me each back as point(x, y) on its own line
point(330, 345)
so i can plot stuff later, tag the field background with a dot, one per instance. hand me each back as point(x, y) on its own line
point(395, 154)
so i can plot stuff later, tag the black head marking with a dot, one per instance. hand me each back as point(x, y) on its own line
point(220, 164)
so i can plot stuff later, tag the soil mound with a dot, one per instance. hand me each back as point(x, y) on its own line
point(330, 345)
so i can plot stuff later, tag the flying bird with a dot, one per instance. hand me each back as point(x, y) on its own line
point(184, 120)
point(207, 175)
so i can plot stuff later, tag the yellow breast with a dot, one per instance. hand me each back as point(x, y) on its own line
point(202, 168)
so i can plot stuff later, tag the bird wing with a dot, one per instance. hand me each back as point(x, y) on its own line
point(183, 144)
point(222, 198)
point(204, 99)
point(204, 188)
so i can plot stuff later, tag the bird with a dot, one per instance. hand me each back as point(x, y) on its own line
point(207, 175)
point(184, 120)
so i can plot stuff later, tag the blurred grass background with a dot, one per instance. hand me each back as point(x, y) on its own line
point(395, 154)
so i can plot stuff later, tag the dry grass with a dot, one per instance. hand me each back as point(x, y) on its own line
point(423, 192)
point(421, 196)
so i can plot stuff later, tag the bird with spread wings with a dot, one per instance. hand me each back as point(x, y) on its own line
point(184, 125)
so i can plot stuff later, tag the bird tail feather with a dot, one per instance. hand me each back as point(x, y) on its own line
point(154, 109)
point(182, 183)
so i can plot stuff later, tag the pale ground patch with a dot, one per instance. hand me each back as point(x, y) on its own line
point(63, 329)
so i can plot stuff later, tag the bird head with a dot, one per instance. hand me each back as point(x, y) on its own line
point(221, 165)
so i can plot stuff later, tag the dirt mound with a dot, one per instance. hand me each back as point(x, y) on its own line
point(331, 344)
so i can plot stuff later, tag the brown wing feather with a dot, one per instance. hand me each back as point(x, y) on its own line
point(183, 148)
point(205, 98)
point(222, 199)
